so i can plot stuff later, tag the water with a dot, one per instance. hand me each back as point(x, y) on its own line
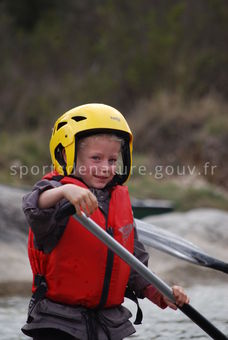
point(211, 301)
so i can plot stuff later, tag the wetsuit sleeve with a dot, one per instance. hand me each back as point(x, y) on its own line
point(42, 221)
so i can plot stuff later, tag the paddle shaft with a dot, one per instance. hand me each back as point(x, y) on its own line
point(134, 263)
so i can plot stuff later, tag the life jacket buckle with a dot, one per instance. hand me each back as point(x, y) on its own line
point(38, 280)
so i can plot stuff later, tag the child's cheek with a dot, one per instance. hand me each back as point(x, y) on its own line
point(92, 170)
point(114, 169)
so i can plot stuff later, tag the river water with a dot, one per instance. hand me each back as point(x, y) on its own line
point(211, 301)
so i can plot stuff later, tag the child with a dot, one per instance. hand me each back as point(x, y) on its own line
point(79, 284)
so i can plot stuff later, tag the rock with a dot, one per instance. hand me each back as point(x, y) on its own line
point(12, 217)
point(15, 273)
point(206, 228)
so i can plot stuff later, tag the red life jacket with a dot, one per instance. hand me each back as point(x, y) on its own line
point(81, 270)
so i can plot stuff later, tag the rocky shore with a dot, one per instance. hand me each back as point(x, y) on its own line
point(207, 228)
point(15, 274)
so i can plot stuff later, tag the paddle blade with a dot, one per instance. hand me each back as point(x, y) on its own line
point(174, 245)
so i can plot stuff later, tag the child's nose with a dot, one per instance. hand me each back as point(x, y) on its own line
point(105, 167)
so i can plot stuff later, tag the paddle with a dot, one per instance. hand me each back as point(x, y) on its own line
point(165, 241)
point(134, 263)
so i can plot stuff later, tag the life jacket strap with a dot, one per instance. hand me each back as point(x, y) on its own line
point(130, 294)
point(92, 318)
point(38, 295)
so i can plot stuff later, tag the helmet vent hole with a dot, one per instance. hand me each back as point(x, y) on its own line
point(60, 125)
point(78, 118)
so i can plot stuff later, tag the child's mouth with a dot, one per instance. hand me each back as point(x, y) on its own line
point(102, 178)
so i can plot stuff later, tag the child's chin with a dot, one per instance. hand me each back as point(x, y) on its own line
point(99, 185)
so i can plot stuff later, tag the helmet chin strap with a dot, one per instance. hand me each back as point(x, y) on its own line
point(60, 156)
point(64, 155)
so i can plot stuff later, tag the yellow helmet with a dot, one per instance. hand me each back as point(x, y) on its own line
point(83, 121)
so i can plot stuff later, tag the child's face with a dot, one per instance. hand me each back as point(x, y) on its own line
point(97, 160)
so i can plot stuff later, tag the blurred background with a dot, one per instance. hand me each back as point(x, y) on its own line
point(163, 64)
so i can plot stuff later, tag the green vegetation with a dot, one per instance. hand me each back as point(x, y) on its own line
point(185, 191)
point(55, 54)
point(172, 131)
point(162, 63)
point(183, 198)
point(21, 155)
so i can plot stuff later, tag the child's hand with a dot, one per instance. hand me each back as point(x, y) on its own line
point(82, 199)
point(180, 297)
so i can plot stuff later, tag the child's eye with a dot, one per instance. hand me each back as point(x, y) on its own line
point(112, 161)
point(95, 158)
